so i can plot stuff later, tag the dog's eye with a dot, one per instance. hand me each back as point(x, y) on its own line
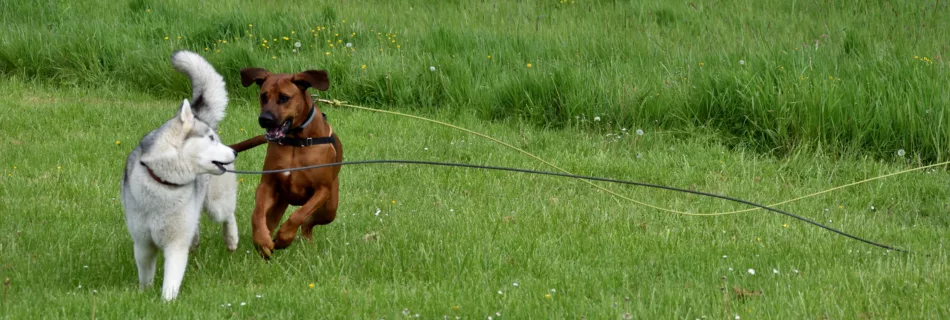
point(282, 99)
point(211, 137)
point(263, 97)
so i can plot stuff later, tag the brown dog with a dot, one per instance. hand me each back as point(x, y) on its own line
point(298, 135)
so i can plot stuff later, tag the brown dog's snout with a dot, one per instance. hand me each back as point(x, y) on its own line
point(267, 120)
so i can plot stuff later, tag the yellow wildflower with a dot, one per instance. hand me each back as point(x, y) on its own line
point(166, 37)
point(394, 201)
point(702, 64)
point(489, 56)
point(529, 65)
point(547, 296)
point(206, 48)
point(250, 25)
point(286, 38)
point(310, 285)
point(363, 67)
point(328, 53)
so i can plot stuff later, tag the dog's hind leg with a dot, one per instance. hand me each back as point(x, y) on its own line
point(220, 203)
point(176, 259)
point(145, 255)
point(324, 215)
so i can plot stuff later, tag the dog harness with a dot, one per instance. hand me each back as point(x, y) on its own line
point(306, 142)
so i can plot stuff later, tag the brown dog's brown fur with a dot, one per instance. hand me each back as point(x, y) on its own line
point(316, 191)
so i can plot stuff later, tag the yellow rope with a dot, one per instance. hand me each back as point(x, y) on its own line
point(344, 104)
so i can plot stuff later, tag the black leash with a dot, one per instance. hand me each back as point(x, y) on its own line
point(640, 184)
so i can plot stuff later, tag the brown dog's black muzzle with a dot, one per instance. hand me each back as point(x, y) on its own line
point(267, 120)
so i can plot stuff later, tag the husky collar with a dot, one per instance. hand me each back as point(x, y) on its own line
point(157, 179)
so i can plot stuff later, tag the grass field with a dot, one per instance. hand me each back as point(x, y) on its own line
point(850, 76)
point(762, 100)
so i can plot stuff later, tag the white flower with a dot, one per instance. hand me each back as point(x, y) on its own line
point(426, 149)
point(730, 268)
point(639, 155)
point(901, 152)
point(258, 296)
point(774, 271)
point(499, 292)
point(737, 317)
point(377, 212)
point(639, 132)
point(596, 118)
point(515, 284)
point(85, 267)
point(297, 44)
point(724, 256)
point(552, 290)
point(405, 312)
point(751, 271)
point(349, 45)
point(742, 62)
point(243, 304)
point(432, 68)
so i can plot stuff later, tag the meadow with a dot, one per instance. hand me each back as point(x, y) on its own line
point(761, 100)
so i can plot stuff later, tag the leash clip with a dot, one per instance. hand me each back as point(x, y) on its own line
point(309, 142)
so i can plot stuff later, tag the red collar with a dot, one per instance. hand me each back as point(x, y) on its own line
point(157, 179)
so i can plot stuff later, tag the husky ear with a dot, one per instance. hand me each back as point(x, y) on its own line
point(185, 114)
point(253, 75)
point(316, 79)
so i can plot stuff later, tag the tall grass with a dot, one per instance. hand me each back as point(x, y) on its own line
point(854, 76)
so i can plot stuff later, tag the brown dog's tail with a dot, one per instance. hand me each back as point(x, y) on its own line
point(249, 143)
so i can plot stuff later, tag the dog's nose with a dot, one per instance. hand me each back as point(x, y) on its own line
point(267, 120)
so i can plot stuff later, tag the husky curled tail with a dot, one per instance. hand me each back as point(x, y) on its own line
point(177, 170)
point(209, 97)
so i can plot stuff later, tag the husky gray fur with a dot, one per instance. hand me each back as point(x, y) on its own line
point(175, 171)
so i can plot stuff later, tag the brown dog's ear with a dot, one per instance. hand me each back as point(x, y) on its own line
point(312, 78)
point(253, 75)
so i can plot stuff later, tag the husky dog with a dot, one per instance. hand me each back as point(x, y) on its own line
point(167, 182)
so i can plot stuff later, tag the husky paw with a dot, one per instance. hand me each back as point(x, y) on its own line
point(230, 235)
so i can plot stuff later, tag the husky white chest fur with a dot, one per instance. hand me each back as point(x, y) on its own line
point(176, 171)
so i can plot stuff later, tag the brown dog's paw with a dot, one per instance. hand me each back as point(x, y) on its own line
point(283, 241)
point(265, 247)
point(265, 252)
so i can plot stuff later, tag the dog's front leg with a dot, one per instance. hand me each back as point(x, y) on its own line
point(265, 200)
point(288, 230)
point(145, 261)
point(176, 259)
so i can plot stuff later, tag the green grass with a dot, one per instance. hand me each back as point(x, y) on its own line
point(452, 237)
point(849, 77)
